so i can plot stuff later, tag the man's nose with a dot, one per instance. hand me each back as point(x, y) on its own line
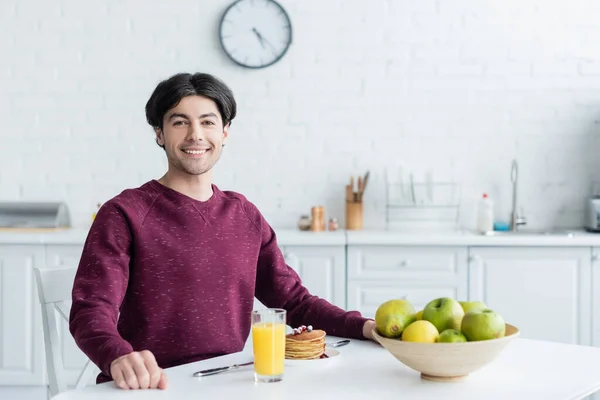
point(195, 132)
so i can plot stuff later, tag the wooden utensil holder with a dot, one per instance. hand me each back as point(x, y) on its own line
point(318, 219)
point(354, 215)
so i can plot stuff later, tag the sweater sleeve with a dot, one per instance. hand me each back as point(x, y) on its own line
point(99, 287)
point(279, 286)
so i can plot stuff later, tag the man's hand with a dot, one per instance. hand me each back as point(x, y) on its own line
point(368, 329)
point(138, 370)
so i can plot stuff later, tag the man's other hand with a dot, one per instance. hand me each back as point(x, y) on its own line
point(368, 329)
point(138, 370)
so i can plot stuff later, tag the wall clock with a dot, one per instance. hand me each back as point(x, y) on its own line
point(255, 33)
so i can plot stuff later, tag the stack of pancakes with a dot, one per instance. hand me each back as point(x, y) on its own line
point(308, 345)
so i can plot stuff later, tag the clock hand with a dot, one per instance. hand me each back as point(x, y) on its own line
point(259, 36)
point(263, 40)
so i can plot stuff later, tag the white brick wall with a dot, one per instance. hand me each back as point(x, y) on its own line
point(459, 87)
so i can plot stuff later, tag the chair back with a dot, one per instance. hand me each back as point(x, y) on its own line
point(54, 292)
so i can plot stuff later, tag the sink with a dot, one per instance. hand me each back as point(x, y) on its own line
point(533, 232)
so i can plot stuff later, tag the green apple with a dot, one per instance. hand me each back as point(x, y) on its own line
point(444, 313)
point(472, 305)
point(483, 324)
point(393, 316)
point(452, 336)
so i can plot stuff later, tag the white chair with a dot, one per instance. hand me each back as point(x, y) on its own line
point(54, 290)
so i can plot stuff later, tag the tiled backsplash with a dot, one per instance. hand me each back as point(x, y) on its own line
point(458, 88)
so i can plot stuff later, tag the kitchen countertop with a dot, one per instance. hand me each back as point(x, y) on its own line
point(526, 369)
point(576, 237)
point(294, 237)
point(77, 236)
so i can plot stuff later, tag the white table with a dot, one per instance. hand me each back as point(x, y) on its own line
point(526, 369)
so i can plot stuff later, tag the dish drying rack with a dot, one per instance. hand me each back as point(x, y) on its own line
point(421, 204)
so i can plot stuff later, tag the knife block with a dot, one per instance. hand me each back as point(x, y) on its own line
point(354, 215)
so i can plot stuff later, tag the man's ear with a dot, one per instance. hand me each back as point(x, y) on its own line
point(160, 137)
point(225, 134)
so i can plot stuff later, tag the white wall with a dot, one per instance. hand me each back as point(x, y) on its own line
point(459, 87)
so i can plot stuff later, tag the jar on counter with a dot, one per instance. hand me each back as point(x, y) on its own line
point(318, 219)
point(304, 223)
point(333, 224)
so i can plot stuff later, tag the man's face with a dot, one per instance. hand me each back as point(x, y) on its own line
point(193, 135)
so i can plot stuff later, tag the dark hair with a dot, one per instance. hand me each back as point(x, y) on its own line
point(169, 93)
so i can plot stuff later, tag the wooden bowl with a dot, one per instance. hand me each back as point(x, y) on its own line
point(447, 361)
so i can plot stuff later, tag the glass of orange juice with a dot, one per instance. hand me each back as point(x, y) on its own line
point(268, 343)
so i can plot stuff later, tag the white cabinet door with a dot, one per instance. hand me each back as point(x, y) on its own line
point(407, 263)
point(21, 335)
point(418, 274)
point(545, 292)
point(596, 298)
point(322, 270)
point(73, 358)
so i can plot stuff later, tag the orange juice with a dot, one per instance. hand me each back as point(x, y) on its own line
point(268, 341)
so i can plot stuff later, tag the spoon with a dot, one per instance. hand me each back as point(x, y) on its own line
point(339, 343)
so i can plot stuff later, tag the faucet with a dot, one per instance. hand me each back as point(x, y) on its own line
point(515, 219)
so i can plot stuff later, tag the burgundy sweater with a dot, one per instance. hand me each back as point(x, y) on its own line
point(183, 275)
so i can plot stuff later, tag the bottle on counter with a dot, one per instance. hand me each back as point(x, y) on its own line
point(485, 215)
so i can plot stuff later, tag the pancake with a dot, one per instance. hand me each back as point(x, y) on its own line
point(309, 344)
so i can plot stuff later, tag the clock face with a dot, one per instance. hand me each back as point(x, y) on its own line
point(255, 33)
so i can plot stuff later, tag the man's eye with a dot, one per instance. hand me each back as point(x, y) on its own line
point(179, 123)
point(208, 123)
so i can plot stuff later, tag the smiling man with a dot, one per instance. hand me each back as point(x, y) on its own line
point(170, 269)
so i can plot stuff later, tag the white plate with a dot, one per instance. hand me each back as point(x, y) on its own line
point(329, 352)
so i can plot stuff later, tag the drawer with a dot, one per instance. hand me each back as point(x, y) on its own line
point(63, 255)
point(366, 297)
point(407, 262)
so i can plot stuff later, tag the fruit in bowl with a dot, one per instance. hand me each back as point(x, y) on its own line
point(452, 336)
point(444, 313)
point(421, 331)
point(420, 315)
point(449, 353)
point(483, 324)
point(472, 305)
point(393, 316)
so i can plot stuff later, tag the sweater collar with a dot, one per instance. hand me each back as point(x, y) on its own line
point(180, 197)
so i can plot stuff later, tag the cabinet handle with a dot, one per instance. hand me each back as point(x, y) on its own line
point(404, 263)
point(594, 257)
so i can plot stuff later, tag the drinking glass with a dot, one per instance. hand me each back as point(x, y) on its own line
point(268, 342)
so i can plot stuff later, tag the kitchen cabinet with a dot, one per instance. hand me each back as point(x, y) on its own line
point(415, 273)
point(544, 291)
point(322, 270)
point(595, 306)
point(596, 297)
point(21, 336)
